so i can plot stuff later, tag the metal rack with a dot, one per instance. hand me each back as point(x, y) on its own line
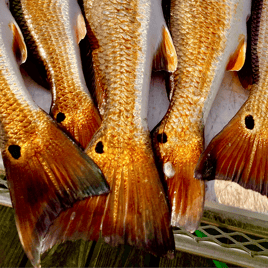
point(233, 235)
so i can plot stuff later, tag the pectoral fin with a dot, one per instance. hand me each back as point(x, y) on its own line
point(19, 47)
point(165, 57)
point(237, 59)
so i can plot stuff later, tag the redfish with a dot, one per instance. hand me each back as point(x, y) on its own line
point(239, 151)
point(129, 35)
point(46, 171)
point(209, 37)
point(52, 30)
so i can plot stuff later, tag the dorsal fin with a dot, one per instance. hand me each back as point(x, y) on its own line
point(237, 59)
point(81, 29)
point(165, 57)
point(19, 47)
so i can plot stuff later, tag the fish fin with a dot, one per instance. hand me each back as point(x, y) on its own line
point(237, 59)
point(186, 194)
point(82, 221)
point(79, 119)
point(81, 29)
point(238, 153)
point(165, 57)
point(46, 175)
point(19, 46)
point(135, 212)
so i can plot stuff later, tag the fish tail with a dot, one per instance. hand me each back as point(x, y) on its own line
point(82, 221)
point(238, 153)
point(47, 175)
point(186, 196)
point(80, 123)
point(136, 211)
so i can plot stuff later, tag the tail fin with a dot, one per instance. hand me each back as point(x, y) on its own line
point(238, 153)
point(82, 221)
point(186, 194)
point(46, 175)
point(80, 120)
point(135, 212)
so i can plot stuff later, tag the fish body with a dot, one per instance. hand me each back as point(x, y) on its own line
point(52, 31)
point(129, 36)
point(239, 151)
point(45, 170)
point(209, 37)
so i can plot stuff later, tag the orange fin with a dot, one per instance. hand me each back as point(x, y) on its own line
point(81, 29)
point(166, 56)
point(82, 221)
point(135, 212)
point(186, 195)
point(19, 47)
point(238, 153)
point(46, 175)
point(237, 59)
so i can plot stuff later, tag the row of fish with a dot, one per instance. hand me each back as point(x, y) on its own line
point(49, 175)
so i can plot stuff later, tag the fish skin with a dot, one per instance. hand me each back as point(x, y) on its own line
point(238, 152)
point(46, 171)
point(136, 211)
point(52, 30)
point(205, 35)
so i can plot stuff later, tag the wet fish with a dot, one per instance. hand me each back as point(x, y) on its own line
point(130, 34)
point(238, 152)
point(209, 37)
point(46, 171)
point(52, 30)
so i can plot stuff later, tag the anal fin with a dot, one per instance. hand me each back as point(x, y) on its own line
point(81, 29)
point(19, 46)
point(237, 59)
point(165, 57)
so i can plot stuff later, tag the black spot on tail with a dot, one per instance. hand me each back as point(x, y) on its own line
point(249, 122)
point(60, 117)
point(14, 151)
point(99, 148)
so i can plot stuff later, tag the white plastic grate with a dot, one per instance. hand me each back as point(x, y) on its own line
point(230, 235)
